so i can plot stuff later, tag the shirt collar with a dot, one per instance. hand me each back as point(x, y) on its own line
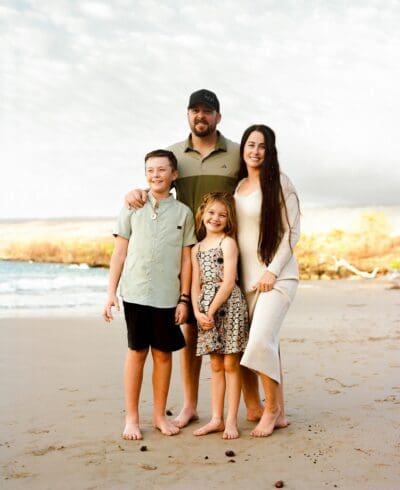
point(165, 200)
point(220, 146)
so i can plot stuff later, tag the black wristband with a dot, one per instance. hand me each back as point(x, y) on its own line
point(183, 300)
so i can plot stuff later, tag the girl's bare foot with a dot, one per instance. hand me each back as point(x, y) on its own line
point(267, 424)
point(231, 431)
point(254, 414)
point(165, 426)
point(132, 431)
point(184, 418)
point(216, 424)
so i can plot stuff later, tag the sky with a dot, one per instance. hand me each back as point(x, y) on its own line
point(88, 87)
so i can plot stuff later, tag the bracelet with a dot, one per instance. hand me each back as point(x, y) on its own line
point(181, 302)
point(184, 295)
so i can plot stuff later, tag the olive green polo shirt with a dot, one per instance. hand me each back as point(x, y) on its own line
point(198, 175)
point(153, 263)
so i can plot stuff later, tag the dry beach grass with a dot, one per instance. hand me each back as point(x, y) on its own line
point(368, 246)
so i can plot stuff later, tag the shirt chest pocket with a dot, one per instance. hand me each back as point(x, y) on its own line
point(174, 234)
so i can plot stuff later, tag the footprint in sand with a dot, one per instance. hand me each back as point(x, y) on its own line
point(42, 452)
point(38, 431)
point(389, 398)
point(333, 390)
point(16, 474)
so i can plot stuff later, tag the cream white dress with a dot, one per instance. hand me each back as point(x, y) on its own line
point(267, 310)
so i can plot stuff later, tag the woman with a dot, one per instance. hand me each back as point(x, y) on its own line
point(268, 229)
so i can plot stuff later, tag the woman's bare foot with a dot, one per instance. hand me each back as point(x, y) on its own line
point(231, 431)
point(184, 418)
point(254, 414)
point(132, 431)
point(267, 424)
point(165, 426)
point(216, 424)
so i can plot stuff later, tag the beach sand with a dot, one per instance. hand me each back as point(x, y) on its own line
point(62, 405)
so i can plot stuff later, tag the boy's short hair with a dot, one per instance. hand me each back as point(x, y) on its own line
point(163, 153)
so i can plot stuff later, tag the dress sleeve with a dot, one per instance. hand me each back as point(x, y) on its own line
point(291, 225)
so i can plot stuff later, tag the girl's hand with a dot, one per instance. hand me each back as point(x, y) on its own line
point(205, 322)
point(266, 283)
point(107, 313)
point(181, 313)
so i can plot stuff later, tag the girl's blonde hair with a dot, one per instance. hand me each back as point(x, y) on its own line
point(229, 203)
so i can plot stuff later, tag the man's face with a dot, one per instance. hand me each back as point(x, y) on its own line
point(203, 120)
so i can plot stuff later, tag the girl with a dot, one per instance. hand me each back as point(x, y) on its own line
point(268, 214)
point(219, 307)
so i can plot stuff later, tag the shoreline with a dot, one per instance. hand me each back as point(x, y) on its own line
point(93, 311)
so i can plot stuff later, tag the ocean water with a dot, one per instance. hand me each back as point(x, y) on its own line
point(43, 289)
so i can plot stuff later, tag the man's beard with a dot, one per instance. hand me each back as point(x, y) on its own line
point(210, 129)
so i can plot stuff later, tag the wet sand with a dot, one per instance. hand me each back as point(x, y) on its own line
point(62, 405)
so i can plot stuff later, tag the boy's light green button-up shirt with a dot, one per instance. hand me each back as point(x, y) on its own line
point(153, 263)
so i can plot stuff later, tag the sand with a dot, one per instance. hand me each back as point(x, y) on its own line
point(62, 405)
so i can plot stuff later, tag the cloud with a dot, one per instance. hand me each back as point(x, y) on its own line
point(87, 89)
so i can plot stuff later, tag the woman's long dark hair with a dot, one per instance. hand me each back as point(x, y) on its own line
point(271, 225)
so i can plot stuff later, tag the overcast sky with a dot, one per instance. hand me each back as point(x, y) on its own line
point(88, 87)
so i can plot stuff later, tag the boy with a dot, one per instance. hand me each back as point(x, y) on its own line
point(152, 251)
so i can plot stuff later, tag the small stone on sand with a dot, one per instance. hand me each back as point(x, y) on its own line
point(148, 466)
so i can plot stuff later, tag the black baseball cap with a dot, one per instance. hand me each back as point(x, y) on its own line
point(206, 97)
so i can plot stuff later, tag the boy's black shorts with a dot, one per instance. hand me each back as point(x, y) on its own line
point(150, 326)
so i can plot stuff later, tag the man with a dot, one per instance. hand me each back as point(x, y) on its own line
point(207, 162)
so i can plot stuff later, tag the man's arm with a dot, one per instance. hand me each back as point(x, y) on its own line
point(135, 199)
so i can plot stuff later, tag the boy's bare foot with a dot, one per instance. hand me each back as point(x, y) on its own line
point(132, 431)
point(184, 418)
point(231, 431)
point(281, 422)
point(267, 423)
point(254, 414)
point(216, 424)
point(165, 426)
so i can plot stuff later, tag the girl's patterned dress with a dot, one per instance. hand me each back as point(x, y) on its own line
point(231, 330)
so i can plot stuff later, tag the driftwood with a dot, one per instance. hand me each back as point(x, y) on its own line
point(394, 278)
point(354, 270)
